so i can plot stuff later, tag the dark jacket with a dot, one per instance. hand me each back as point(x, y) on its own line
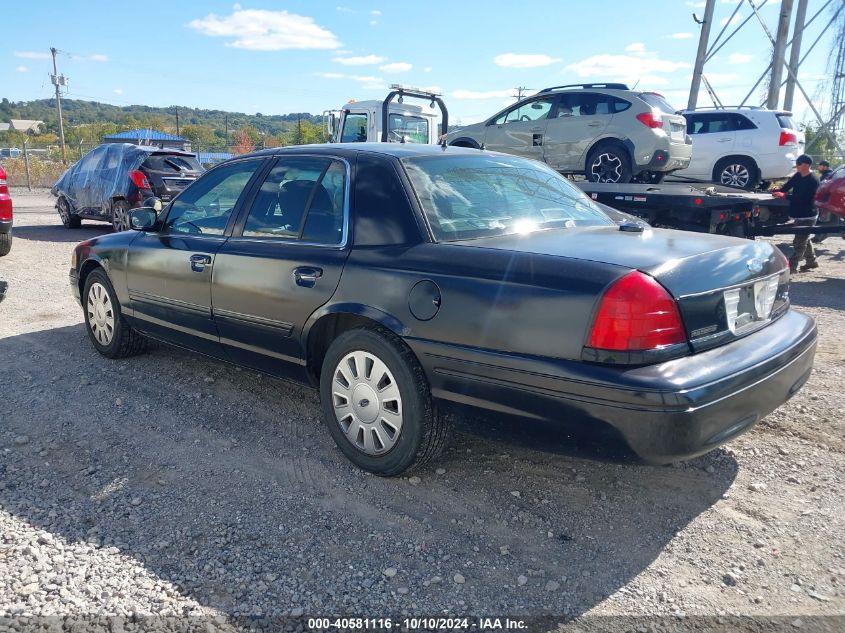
point(825, 174)
point(802, 191)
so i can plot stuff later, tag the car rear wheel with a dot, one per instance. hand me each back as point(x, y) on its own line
point(5, 243)
point(377, 403)
point(736, 172)
point(69, 220)
point(120, 215)
point(608, 163)
point(108, 330)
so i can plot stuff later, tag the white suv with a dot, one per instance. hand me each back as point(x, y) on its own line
point(741, 146)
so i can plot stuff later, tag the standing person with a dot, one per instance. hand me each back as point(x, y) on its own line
point(825, 172)
point(801, 188)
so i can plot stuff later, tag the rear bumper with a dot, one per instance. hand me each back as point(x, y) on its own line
point(669, 156)
point(778, 165)
point(5, 226)
point(667, 412)
point(74, 285)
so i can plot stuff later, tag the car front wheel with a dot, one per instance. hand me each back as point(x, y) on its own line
point(69, 220)
point(108, 330)
point(608, 163)
point(377, 403)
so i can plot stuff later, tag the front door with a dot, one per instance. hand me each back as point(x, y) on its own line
point(521, 130)
point(169, 271)
point(579, 119)
point(283, 261)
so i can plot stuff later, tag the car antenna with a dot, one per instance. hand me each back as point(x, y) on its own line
point(636, 84)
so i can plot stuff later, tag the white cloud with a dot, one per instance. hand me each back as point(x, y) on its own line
point(731, 1)
point(681, 36)
point(373, 22)
point(375, 12)
point(368, 81)
point(427, 69)
point(518, 60)
point(118, 91)
point(739, 58)
point(98, 58)
point(396, 67)
point(733, 20)
point(262, 30)
point(635, 47)
point(22, 69)
point(645, 67)
point(360, 60)
point(696, 5)
point(32, 55)
point(344, 10)
point(474, 94)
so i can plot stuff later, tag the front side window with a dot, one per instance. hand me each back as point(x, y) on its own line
point(205, 207)
point(354, 129)
point(467, 197)
point(532, 111)
point(301, 198)
point(406, 128)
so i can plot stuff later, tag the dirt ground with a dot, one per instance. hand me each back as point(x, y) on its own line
point(172, 485)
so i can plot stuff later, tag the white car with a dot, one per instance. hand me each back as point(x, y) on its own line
point(741, 146)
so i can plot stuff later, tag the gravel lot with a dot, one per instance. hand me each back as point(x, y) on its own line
point(172, 485)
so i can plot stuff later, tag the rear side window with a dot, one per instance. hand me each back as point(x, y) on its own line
point(658, 101)
point(742, 123)
point(172, 162)
point(711, 123)
point(785, 121)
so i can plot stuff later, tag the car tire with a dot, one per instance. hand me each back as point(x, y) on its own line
point(738, 172)
point(650, 177)
point(394, 427)
point(120, 216)
point(5, 243)
point(69, 220)
point(110, 333)
point(608, 162)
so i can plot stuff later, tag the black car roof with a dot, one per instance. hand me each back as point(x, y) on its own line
point(397, 150)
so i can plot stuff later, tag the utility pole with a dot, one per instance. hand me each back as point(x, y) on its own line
point(59, 81)
point(795, 54)
point(177, 120)
point(520, 91)
point(703, 42)
point(778, 55)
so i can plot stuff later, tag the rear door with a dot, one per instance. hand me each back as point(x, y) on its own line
point(283, 261)
point(522, 129)
point(579, 119)
point(713, 136)
point(169, 271)
point(85, 175)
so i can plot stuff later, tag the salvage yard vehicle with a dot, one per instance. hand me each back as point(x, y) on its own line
point(6, 218)
point(740, 146)
point(400, 278)
point(606, 131)
point(390, 120)
point(116, 177)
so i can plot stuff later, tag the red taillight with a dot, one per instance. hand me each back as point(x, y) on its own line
point(636, 313)
point(4, 187)
point(139, 179)
point(651, 119)
point(788, 137)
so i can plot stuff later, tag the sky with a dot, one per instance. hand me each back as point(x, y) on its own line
point(279, 57)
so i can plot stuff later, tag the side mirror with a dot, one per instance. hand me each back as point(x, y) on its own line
point(143, 218)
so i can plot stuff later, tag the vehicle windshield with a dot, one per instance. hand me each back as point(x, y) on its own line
point(414, 129)
point(172, 162)
point(658, 101)
point(472, 196)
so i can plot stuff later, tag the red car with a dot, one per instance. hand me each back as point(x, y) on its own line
point(5, 215)
point(830, 198)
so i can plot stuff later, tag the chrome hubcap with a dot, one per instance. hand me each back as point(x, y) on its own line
point(367, 403)
point(607, 168)
point(63, 212)
point(100, 314)
point(735, 175)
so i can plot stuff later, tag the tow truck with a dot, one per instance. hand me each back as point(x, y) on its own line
point(390, 120)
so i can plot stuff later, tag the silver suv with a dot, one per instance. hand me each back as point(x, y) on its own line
point(604, 131)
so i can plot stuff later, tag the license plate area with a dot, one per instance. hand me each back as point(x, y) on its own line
point(748, 305)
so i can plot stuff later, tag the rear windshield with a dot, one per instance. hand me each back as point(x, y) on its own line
point(467, 197)
point(172, 162)
point(786, 121)
point(407, 128)
point(657, 101)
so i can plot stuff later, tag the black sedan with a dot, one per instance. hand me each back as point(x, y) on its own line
point(396, 278)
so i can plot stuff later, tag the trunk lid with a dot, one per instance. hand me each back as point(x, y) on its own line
point(725, 287)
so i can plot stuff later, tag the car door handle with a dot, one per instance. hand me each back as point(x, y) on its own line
point(724, 140)
point(594, 124)
point(199, 262)
point(307, 276)
point(536, 129)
